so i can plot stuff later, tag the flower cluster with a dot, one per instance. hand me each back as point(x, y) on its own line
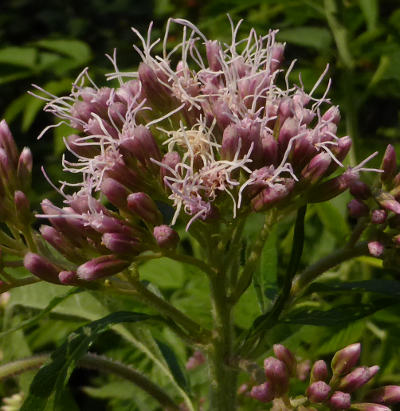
point(379, 207)
point(333, 389)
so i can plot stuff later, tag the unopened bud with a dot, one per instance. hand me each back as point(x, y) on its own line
point(378, 216)
point(230, 143)
point(166, 237)
point(195, 360)
point(285, 109)
point(99, 267)
point(376, 248)
point(389, 164)
point(357, 378)
point(285, 355)
point(144, 207)
point(277, 372)
point(289, 129)
point(332, 115)
point(22, 207)
point(318, 391)
point(170, 161)
point(345, 359)
point(7, 143)
point(24, 169)
point(328, 189)
point(359, 190)
point(41, 267)
point(277, 56)
point(68, 277)
point(213, 50)
point(357, 208)
point(264, 392)
point(390, 394)
point(270, 196)
point(388, 202)
point(81, 148)
point(120, 243)
point(319, 371)
point(340, 400)
point(115, 192)
point(316, 168)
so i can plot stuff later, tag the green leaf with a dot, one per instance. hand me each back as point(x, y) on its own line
point(369, 9)
point(338, 315)
point(381, 286)
point(53, 303)
point(19, 56)
point(333, 220)
point(75, 49)
point(163, 272)
point(173, 365)
point(315, 37)
point(54, 376)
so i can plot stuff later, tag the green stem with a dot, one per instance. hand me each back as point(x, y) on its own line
point(192, 261)
point(332, 260)
point(19, 283)
point(93, 361)
point(141, 293)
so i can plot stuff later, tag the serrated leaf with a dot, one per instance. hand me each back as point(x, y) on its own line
point(338, 315)
point(173, 365)
point(315, 37)
point(54, 376)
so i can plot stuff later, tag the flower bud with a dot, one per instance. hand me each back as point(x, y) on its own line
point(367, 406)
point(230, 143)
point(115, 192)
point(166, 237)
point(357, 378)
point(121, 244)
point(263, 392)
point(41, 267)
point(270, 196)
point(340, 400)
point(318, 391)
point(390, 394)
point(285, 355)
point(316, 168)
point(332, 115)
point(195, 360)
point(59, 242)
point(285, 109)
point(378, 216)
point(105, 224)
point(22, 208)
point(213, 50)
point(103, 266)
point(345, 359)
point(389, 164)
point(7, 171)
point(360, 190)
point(376, 248)
point(81, 148)
point(24, 169)
point(68, 277)
point(8, 144)
point(289, 129)
point(343, 148)
point(388, 202)
point(357, 208)
point(319, 371)
point(328, 189)
point(270, 150)
point(277, 372)
point(170, 160)
point(277, 56)
point(144, 207)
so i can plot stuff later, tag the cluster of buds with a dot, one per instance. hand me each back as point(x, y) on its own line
point(379, 206)
point(333, 389)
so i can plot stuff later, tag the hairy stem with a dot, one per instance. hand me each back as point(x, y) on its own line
point(99, 363)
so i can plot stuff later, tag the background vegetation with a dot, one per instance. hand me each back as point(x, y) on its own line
point(49, 43)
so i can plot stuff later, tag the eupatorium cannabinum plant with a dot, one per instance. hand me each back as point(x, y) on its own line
point(185, 151)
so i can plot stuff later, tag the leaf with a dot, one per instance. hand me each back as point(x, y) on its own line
point(333, 220)
point(163, 272)
point(19, 56)
point(53, 303)
point(369, 9)
point(338, 315)
point(75, 49)
point(385, 287)
point(315, 37)
point(173, 365)
point(55, 375)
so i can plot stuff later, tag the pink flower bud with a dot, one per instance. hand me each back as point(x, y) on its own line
point(390, 394)
point(222, 113)
point(105, 224)
point(340, 400)
point(81, 148)
point(357, 378)
point(285, 355)
point(8, 144)
point(230, 143)
point(360, 190)
point(121, 244)
point(213, 50)
point(388, 202)
point(277, 373)
point(367, 406)
point(166, 237)
point(357, 208)
point(7, 171)
point(277, 56)
point(285, 109)
point(376, 248)
point(115, 192)
point(24, 169)
point(332, 115)
point(68, 277)
point(270, 150)
point(389, 164)
point(195, 360)
point(316, 168)
point(271, 195)
point(345, 359)
point(263, 392)
point(170, 160)
point(144, 207)
point(318, 391)
point(378, 216)
point(41, 267)
point(343, 148)
point(22, 207)
point(328, 189)
point(319, 371)
point(289, 129)
point(59, 242)
point(99, 267)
